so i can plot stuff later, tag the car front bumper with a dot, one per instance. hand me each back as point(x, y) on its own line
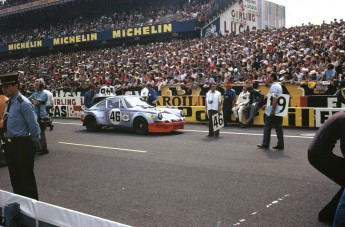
point(166, 126)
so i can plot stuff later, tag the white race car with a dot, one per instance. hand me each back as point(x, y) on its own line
point(131, 112)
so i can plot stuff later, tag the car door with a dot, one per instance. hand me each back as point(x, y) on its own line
point(114, 112)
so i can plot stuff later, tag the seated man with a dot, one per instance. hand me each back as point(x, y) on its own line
point(241, 103)
point(256, 100)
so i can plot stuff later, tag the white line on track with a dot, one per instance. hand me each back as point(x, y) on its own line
point(250, 134)
point(222, 132)
point(95, 146)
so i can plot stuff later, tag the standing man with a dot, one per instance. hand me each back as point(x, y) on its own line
point(89, 96)
point(213, 105)
point(242, 101)
point(21, 136)
point(49, 108)
point(39, 100)
point(270, 118)
point(152, 97)
point(144, 91)
point(3, 101)
point(321, 156)
point(50, 102)
point(228, 103)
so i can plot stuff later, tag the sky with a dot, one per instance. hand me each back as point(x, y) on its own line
point(314, 11)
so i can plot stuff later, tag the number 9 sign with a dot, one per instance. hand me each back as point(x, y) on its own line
point(283, 103)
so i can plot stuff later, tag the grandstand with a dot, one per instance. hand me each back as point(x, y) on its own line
point(299, 55)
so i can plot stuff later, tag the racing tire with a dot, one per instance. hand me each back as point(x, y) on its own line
point(91, 124)
point(140, 126)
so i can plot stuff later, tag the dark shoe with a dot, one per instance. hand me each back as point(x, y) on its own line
point(42, 152)
point(217, 135)
point(278, 147)
point(327, 213)
point(244, 126)
point(262, 146)
point(209, 135)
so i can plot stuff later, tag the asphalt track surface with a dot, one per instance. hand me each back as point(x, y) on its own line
point(181, 178)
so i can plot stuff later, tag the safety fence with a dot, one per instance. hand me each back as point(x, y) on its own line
point(18, 211)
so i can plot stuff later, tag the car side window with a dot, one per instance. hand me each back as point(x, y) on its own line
point(101, 105)
point(113, 103)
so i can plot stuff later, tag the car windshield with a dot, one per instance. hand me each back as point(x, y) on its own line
point(135, 101)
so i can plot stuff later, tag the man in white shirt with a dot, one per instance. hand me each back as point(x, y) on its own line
point(270, 118)
point(242, 100)
point(144, 91)
point(50, 101)
point(107, 89)
point(49, 106)
point(213, 105)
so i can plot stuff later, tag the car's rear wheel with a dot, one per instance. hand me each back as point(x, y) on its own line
point(140, 126)
point(91, 124)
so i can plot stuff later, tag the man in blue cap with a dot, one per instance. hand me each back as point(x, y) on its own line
point(21, 137)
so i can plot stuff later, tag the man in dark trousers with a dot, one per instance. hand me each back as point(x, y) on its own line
point(228, 103)
point(321, 156)
point(21, 137)
point(270, 115)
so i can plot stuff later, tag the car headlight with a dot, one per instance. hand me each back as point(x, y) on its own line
point(160, 116)
point(182, 113)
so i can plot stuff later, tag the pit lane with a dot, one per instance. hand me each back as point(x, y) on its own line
point(182, 178)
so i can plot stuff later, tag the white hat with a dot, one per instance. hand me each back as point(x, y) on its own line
point(282, 72)
point(312, 72)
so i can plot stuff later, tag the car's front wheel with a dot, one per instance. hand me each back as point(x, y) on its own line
point(140, 126)
point(91, 124)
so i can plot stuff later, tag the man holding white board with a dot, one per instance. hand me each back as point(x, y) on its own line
point(213, 106)
point(276, 108)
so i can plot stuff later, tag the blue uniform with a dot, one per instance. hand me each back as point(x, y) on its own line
point(229, 96)
point(88, 98)
point(22, 120)
point(43, 98)
point(21, 133)
point(152, 97)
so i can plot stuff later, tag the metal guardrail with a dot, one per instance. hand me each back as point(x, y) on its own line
point(18, 211)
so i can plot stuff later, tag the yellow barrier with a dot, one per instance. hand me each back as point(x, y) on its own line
point(170, 96)
point(297, 117)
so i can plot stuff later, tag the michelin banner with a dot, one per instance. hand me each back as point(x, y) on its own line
point(158, 29)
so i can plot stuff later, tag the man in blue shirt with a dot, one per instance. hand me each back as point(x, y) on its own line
point(228, 103)
point(329, 73)
point(152, 97)
point(39, 100)
point(89, 96)
point(21, 137)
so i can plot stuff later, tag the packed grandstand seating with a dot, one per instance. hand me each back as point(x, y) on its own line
point(299, 55)
point(116, 18)
point(10, 3)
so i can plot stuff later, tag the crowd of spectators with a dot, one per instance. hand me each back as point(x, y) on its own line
point(10, 3)
point(162, 12)
point(300, 55)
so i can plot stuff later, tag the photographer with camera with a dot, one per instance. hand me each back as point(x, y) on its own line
point(39, 100)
